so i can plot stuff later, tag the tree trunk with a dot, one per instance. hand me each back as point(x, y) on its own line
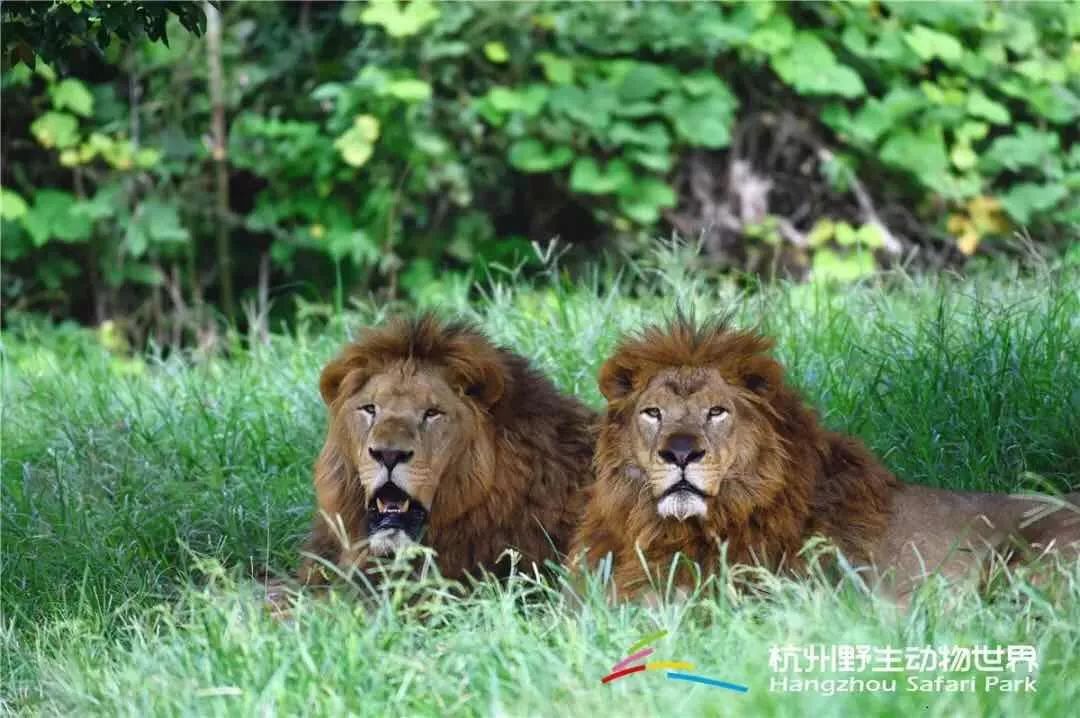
point(221, 160)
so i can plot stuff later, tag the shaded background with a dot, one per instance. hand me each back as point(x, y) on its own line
point(171, 169)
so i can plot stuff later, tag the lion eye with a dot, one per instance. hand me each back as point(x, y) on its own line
point(368, 409)
point(652, 412)
point(718, 412)
point(432, 413)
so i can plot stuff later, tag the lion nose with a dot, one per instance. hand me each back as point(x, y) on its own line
point(390, 457)
point(681, 449)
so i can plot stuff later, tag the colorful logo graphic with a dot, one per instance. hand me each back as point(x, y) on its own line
point(674, 669)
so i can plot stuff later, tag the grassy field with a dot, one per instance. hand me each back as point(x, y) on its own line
point(138, 494)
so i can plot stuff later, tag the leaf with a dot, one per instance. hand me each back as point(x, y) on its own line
point(810, 67)
point(922, 153)
point(101, 206)
point(967, 237)
point(704, 123)
point(154, 223)
point(587, 176)
point(929, 44)
point(644, 81)
point(983, 217)
point(773, 36)
point(1025, 200)
point(963, 157)
point(987, 216)
point(72, 94)
point(821, 232)
point(163, 220)
point(147, 157)
point(12, 206)
point(700, 84)
point(828, 265)
point(328, 92)
point(652, 135)
point(636, 109)
point(430, 143)
point(357, 144)
point(398, 20)
point(655, 160)
point(971, 131)
point(56, 129)
point(53, 217)
point(591, 106)
point(528, 100)
point(409, 90)
point(643, 199)
point(838, 80)
point(1027, 148)
point(530, 155)
point(119, 154)
point(37, 226)
point(143, 273)
point(870, 235)
point(845, 234)
point(806, 56)
point(876, 117)
point(58, 207)
point(1056, 103)
point(557, 70)
point(356, 244)
point(496, 52)
point(979, 105)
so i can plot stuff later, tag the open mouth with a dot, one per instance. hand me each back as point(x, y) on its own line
point(393, 509)
point(683, 485)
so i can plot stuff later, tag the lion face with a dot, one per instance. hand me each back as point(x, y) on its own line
point(404, 428)
point(685, 430)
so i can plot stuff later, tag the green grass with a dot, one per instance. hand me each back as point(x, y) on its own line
point(137, 495)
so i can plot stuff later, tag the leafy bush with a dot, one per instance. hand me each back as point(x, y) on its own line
point(372, 146)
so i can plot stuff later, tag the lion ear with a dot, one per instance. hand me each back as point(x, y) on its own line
point(482, 378)
point(334, 374)
point(761, 375)
point(616, 380)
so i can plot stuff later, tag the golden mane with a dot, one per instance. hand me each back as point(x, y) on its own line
point(527, 454)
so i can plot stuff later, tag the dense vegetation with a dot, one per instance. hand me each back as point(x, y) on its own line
point(295, 154)
point(140, 493)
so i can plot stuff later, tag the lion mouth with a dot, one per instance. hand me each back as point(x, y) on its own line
point(682, 485)
point(681, 501)
point(392, 509)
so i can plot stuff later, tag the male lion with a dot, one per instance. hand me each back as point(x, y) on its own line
point(703, 443)
point(439, 437)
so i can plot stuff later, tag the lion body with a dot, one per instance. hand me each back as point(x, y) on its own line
point(515, 465)
point(785, 480)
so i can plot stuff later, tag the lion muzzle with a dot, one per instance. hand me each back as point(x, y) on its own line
point(681, 501)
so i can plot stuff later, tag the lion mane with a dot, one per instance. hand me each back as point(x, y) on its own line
point(796, 481)
point(526, 459)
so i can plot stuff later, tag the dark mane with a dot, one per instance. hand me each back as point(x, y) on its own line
point(793, 478)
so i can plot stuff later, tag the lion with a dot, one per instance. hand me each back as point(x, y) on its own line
point(436, 436)
point(703, 444)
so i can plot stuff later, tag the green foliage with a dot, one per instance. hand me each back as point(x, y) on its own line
point(51, 28)
point(975, 101)
point(372, 145)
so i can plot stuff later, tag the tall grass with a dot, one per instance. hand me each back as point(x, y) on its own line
point(137, 494)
